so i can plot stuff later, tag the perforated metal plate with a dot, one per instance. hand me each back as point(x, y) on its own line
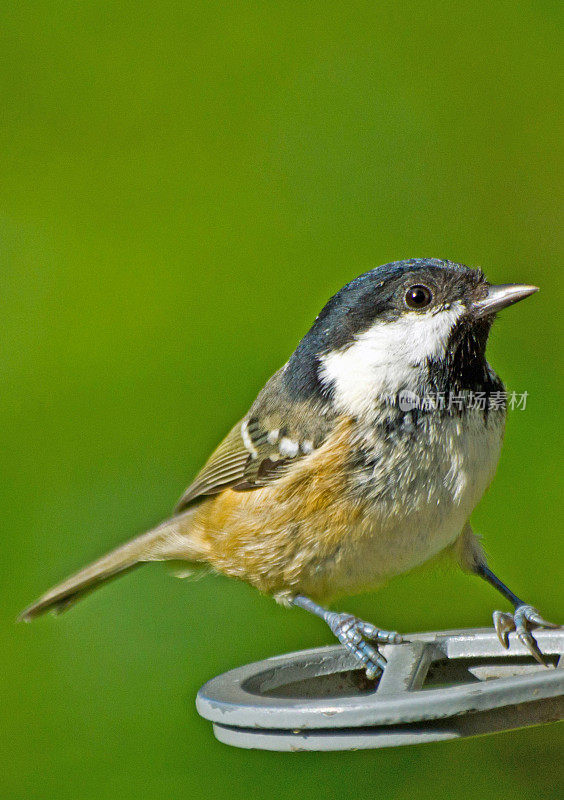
point(436, 686)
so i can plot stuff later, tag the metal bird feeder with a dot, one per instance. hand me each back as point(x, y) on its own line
point(436, 686)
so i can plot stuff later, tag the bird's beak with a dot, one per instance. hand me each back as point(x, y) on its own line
point(500, 296)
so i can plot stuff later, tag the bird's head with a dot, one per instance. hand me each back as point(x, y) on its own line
point(408, 325)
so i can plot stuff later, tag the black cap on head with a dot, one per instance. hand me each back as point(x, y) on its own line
point(380, 294)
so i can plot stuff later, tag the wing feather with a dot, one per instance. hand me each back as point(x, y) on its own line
point(277, 432)
point(225, 467)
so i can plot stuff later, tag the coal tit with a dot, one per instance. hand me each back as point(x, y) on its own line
point(360, 459)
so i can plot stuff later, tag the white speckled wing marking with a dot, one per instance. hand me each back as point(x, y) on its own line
point(288, 447)
point(247, 457)
point(247, 441)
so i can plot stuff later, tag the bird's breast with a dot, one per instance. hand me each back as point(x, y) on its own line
point(418, 483)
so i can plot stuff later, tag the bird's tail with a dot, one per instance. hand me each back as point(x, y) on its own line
point(167, 541)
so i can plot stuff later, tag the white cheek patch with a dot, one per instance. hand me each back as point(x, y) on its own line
point(386, 358)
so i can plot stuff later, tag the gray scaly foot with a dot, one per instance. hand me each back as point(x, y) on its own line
point(355, 635)
point(520, 621)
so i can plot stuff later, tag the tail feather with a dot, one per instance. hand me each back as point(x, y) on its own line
point(167, 541)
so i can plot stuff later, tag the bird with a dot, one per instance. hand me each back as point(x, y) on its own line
point(359, 460)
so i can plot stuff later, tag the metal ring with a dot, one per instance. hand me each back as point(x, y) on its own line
point(320, 699)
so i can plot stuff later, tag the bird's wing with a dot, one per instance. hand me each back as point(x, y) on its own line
point(247, 458)
point(263, 446)
point(224, 467)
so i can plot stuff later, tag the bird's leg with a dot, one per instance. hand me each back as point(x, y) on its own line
point(522, 618)
point(354, 633)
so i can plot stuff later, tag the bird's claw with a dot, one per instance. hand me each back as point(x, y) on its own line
point(353, 633)
point(523, 617)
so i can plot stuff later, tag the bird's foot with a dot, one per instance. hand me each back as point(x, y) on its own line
point(355, 634)
point(520, 621)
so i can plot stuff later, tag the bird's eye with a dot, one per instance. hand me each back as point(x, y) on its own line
point(418, 297)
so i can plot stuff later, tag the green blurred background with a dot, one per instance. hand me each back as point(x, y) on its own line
point(182, 186)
